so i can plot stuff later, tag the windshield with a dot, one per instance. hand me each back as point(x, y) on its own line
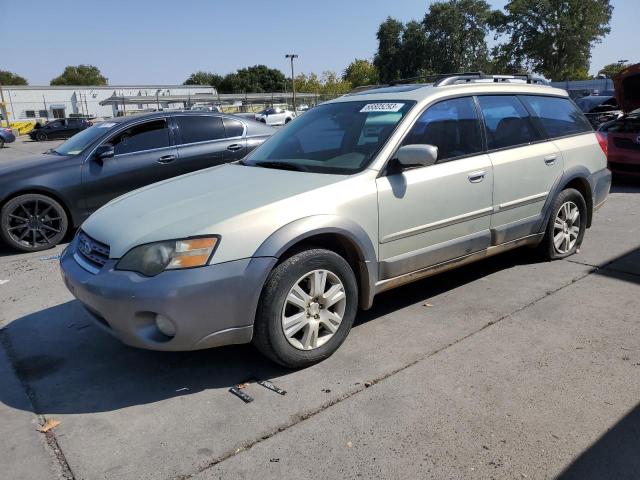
point(83, 139)
point(332, 138)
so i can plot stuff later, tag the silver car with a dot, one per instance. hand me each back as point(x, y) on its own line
point(360, 195)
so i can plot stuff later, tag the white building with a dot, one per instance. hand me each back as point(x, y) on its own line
point(42, 103)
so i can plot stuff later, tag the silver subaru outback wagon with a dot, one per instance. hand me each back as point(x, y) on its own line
point(357, 196)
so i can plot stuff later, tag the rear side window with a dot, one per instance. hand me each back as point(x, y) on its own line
point(507, 122)
point(451, 125)
point(144, 136)
point(557, 116)
point(234, 128)
point(200, 128)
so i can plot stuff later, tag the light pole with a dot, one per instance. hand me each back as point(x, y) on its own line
point(293, 79)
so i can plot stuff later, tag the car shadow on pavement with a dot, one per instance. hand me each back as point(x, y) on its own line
point(625, 185)
point(613, 455)
point(68, 365)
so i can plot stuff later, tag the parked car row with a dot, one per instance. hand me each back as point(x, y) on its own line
point(43, 197)
point(359, 195)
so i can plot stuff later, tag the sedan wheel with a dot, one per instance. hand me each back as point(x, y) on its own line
point(313, 309)
point(41, 137)
point(33, 222)
point(566, 227)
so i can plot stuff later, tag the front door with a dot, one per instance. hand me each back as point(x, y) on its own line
point(429, 215)
point(144, 154)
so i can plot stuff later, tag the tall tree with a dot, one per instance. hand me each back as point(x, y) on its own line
point(258, 78)
point(360, 72)
point(456, 33)
point(10, 78)
point(80, 75)
point(553, 37)
point(333, 84)
point(388, 59)
point(414, 51)
point(204, 78)
point(610, 70)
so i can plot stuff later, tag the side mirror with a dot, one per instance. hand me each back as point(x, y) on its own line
point(417, 155)
point(104, 151)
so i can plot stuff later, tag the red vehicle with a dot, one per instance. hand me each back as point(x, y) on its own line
point(622, 136)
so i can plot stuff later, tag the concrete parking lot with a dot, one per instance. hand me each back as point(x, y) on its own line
point(508, 368)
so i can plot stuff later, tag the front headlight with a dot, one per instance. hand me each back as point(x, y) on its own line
point(154, 258)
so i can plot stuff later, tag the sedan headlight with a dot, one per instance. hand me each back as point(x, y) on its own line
point(154, 258)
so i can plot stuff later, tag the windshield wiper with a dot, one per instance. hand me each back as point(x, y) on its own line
point(281, 165)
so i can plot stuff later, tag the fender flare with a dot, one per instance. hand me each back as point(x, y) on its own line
point(292, 233)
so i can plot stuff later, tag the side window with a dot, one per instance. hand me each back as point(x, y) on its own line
point(451, 125)
point(507, 122)
point(233, 128)
point(557, 116)
point(200, 128)
point(145, 136)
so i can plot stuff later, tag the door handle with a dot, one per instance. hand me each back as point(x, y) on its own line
point(167, 159)
point(550, 159)
point(477, 177)
point(234, 147)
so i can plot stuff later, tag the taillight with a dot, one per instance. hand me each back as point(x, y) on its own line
point(603, 141)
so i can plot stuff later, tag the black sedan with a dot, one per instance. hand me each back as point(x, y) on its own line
point(43, 197)
point(60, 128)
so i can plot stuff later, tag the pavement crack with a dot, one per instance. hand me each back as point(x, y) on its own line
point(299, 418)
point(65, 471)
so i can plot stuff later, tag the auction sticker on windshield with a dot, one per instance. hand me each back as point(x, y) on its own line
point(382, 107)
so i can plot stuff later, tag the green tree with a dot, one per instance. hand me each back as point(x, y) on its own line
point(388, 59)
point(414, 51)
point(610, 70)
point(308, 83)
point(80, 75)
point(552, 37)
point(204, 78)
point(360, 72)
point(333, 84)
point(9, 78)
point(258, 78)
point(456, 33)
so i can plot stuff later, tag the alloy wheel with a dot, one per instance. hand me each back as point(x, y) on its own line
point(35, 223)
point(313, 309)
point(566, 227)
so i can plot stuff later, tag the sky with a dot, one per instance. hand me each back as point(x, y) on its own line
point(162, 42)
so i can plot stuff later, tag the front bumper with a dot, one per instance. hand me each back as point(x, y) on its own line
point(209, 306)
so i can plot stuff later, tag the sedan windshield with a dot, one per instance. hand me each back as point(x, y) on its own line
point(332, 138)
point(83, 139)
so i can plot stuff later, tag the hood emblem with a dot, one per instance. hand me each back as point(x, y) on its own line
point(85, 247)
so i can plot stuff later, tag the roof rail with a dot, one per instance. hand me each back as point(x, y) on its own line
point(452, 79)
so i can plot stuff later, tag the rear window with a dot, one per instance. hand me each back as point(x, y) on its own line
point(200, 128)
point(507, 122)
point(234, 128)
point(558, 117)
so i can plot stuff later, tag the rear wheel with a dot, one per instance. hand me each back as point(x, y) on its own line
point(32, 222)
point(1, 143)
point(306, 308)
point(566, 227)
point(41, 136)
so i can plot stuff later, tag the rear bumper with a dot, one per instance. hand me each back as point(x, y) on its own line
point(8, 137)
point(209, 306)
point(600, 185)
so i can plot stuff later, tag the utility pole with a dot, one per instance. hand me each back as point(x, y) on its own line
point(293, 56)
point(3, 108)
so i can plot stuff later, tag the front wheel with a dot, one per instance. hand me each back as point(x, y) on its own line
point(1, 143)
point(306, 309)
point(566, 226)
point(41, 136)
point(32, 222)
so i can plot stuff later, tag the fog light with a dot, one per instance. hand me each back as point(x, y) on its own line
point(165, 325)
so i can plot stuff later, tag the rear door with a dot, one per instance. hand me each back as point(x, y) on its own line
point(429, 215)
point(144, 154)
point(236, 144)
point(201, 141)
point(525, 166)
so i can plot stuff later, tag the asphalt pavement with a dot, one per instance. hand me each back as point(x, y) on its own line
point(507, 368)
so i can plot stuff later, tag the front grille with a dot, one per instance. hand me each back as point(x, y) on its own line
point(624, 167)
point(626, 143)
point(92, 251)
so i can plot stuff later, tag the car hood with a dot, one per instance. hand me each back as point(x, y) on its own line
point(627, 88)
point(226, 199)
point(15, 165)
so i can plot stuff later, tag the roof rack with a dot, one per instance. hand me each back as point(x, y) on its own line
point(467, 77)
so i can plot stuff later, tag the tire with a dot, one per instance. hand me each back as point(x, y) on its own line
point(33, 222)
point(554, 245)
point(297, 350)
point(41, 136)
point(1, 143)
point(263, 120)
point(287, 121)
